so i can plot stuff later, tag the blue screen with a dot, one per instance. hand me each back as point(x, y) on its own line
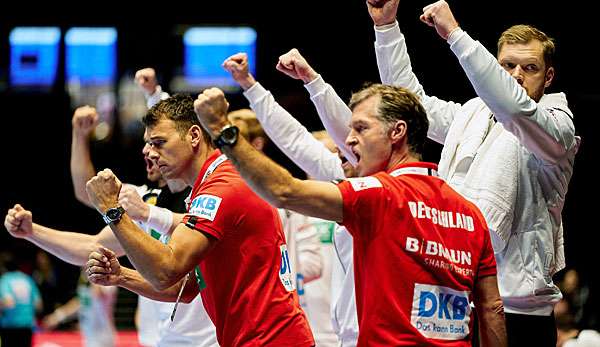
point(34, 55)
point(91, 55)
point(205, 49)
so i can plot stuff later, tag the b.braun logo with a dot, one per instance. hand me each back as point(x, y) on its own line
point(440, 312)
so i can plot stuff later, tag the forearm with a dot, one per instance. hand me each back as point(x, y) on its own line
point(154, 260)
point(490, 311)
point(82, 168)
point(73, 248)
point(133, 281)
point(292, 138)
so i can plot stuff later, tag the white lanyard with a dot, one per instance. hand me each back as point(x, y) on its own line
point(414, 170)
point(213, 166)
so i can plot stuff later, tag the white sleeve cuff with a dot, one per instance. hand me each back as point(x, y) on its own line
point(255, 93)
point(160, 219)
point(387, 34)
point(316, 86)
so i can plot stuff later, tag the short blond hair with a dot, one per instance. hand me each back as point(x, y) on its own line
point(523, 33)
point(253, 127)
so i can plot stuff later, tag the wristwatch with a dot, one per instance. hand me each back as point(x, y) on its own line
point(227, 137)
point(113, 214)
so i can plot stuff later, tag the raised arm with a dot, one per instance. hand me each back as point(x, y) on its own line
point(73, 248)
point(332, 110)
point(146, 79)
point(82, 169)
point(395, 67)
point(545, 128)
point(490, 312)
point(162, 265)
point(272, 182)
point(103, 268)
point(285, 131)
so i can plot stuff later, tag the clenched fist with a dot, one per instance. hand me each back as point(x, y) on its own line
point(211, 108)
point(103, 190)
point(294, 65)
point(18, 222)
point(84, 120)
point(146, 80)
point(237, 66)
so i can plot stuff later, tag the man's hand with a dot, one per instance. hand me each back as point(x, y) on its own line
point(237, 66)
point(103, 190)
point(146, 80)
point(84, 121)
point(382, 12)
point(132, 202)
point(211, 108)
point(294, 65)
point(440, 16)
point(103, 267)
point(18, 222)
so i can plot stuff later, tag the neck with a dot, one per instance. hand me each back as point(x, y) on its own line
point(175, 186)
point(192, 173)
point(401, 156)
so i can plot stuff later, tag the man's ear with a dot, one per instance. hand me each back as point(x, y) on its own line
point(258, 143)
point(398, 131)
point(549, 77)
point(196, 135)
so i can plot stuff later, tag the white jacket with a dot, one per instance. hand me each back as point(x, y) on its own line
point(516, 171)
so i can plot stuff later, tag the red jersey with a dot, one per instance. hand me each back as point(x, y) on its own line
point(250, 296)
point(419, 248)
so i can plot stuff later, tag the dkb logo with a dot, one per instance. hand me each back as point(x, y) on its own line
point(440, 312)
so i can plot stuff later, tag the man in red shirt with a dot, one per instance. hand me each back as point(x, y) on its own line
point(234, 236)
point(422, 252)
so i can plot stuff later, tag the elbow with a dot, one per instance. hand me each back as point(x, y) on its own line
point(163, 281)
point(283, 195)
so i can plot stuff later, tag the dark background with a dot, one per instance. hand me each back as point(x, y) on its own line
point(336, 38)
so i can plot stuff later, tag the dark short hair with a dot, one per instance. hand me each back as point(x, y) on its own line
point(178, 108)
point(397, 103)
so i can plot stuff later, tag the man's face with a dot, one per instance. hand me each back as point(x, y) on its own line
point(368, 138)
point(152, 172)
point(167, 150)
point(525, 62)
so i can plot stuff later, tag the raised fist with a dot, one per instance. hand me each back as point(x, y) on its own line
point(237, 66)
point(211, 109)
point(146, 80)
point(18, 222)
point(103, 267)
point(84, 120)
point(103, 190)
point(294, 65)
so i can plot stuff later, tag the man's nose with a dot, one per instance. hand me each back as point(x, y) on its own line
point(517, 73)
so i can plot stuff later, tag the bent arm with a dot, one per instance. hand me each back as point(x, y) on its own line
point(545, 130)
point(277, 186)
point(133, 281)
point(162, 265)
point(395, 69)
point(293, 138)
point(492, 328)
point(73, 248)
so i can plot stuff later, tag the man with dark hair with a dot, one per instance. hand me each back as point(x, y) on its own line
point(233, 235)
point(421, 251)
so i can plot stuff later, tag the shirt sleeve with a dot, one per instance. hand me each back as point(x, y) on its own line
point(213, 209)
point(487, 261)
point(363, 198)
point(292, 138)
point(545, 128)
point(395, 69)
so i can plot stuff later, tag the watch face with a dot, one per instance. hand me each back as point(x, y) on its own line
point(229, 135)
point(113, 213)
